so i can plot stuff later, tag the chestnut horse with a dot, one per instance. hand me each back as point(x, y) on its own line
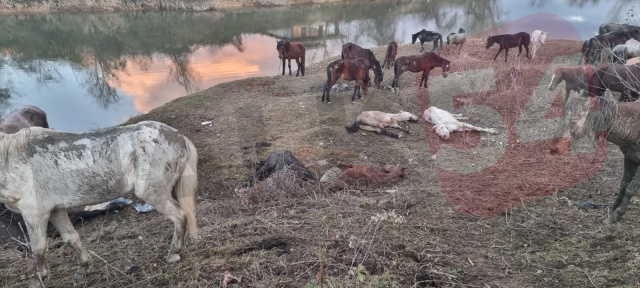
point(348, 70)
point(616, 77)
point(291, 50)
point(392, 51)
point(415, 63)
point(597, 43)
point(506, 41)
point(352, 51)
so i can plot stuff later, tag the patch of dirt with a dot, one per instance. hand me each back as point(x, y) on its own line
point(485, 212)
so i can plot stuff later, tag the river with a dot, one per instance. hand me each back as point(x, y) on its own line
point(95, 70)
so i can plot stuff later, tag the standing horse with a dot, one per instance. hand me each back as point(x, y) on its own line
point(427, 36)
point(291, 50)
point(377, 121)
point(456, 38)
point(622, 52)
point(619, 123)
point(390, 57)
point(537, 39)
point(348, 70)
point(47, 171)
point(597, 43)
point(506, 41)
point(575, 79)
point(352, 51)
point(416, 63)
point(617, 77)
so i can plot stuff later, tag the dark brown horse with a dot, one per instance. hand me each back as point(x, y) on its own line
point(291, 50)
point(348, 70)
point(392, 51)
point(617, 77)
point(597, 43)
point(506, 41)
point(427, 36)
point(352, 51)
point(415, 63)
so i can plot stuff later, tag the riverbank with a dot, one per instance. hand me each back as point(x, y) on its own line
point(22, 6)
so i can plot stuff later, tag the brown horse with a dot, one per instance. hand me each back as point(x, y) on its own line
point(597, 43)
point(348, 70)
point(392, 51)
point(415, 63)
point(506, 41)
point(353, 51)
point(617, 77)
point(291, 50)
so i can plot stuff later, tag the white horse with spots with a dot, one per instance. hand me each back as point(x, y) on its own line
point(537, 39)
point(377, 121)
point(47, 171)
point(445, 122)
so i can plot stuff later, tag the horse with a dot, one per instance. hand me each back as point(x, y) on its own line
point(619, 123)
point(611, 27)
point(390, 57)
point(575, 79)
point(415, 63)
point(622, 52)
point(369, 176)
point(427, 36)
point(275, 162)
point(506, 41)
point(47, 171)
point(537, 38)
point(352, 51)
point(348, 70)
point(616, 77)
point(377, 121)
point(456, 38)
point(446, 122)
point(597, 43)
point(291, 50)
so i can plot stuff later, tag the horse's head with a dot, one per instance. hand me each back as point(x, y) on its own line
point(280, 48)
point(490, 42)
point(442, 131)
point(556, 78)
point(461, 31)
point(445, 67)
point(413, 38)
point(575, 123)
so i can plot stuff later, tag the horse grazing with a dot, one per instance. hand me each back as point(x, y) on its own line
point(575, 79)
point(506, 41)
point(352, 51)
point(416, 63)
point(47, 171)
point(445, 122)
point(369, 176)
point(427, 36)
point(347, 70)
point(390, 57)
point(619, 123)
point(597, 43)
point(291, 50)
point(456, 38)
point(621, 53)
point(377, 121)
point(537, 39)
point(617, 77)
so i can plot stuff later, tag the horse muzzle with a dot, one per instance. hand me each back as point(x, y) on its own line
point(444, 75)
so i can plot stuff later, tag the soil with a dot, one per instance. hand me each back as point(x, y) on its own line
point(476, 210)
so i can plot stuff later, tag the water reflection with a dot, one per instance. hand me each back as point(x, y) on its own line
point(95, 70)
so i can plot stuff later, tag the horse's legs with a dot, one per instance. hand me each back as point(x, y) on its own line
point(60, 219)
point(330, 82)
point(526, 48)
point(506, 53)
point(36, 222)
point(356, 89)
point(421, 45)
point(378, 130)
point(619, 206)
point(283, 64)
point(425, 78)
point(169, 207)
point(289, 63)
point(298, 63)
point(499, 50)
point(396, 78)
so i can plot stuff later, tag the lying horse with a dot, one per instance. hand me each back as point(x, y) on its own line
point(390, 57)
point(353, 52)
point(445, 122)
point(377, 121)
point(622, 52)
point(575, 79)
point(537, 39)
point(618, 122)
point(347, 70)
point(278, 161)
point(617, 77)
point(417, 63)
point(456, 38)
point(291, 50)
point(506, 41)
point(633, 61)
point(368, 176)
point(427, 36)
point(46, 171)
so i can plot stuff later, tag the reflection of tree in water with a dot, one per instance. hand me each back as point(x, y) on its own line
point(181, 72)
point(97, 84)
point(236, 41)
point(449, 16)
point(380, 29)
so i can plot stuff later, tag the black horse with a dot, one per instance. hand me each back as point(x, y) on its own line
point(427, 36)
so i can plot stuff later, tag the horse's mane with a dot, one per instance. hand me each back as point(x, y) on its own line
point(287, 47)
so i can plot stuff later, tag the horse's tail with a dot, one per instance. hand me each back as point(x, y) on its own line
point(185, 189)
point(353, 127)
point(449, 36)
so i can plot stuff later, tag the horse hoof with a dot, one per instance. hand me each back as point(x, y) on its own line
point(353, 102)
point(173, 258)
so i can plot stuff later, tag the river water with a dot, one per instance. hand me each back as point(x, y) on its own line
point(95, 70)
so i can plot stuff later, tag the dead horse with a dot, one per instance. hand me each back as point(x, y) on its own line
point(377, 121)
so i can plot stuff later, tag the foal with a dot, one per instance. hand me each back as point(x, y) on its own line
point(506, 41)
point(291, 50)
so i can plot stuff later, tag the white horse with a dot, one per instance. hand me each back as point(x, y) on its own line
point(377, 121)
point(537, 39)
point(46, 171)
point(621, 53)
point(445, 122)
